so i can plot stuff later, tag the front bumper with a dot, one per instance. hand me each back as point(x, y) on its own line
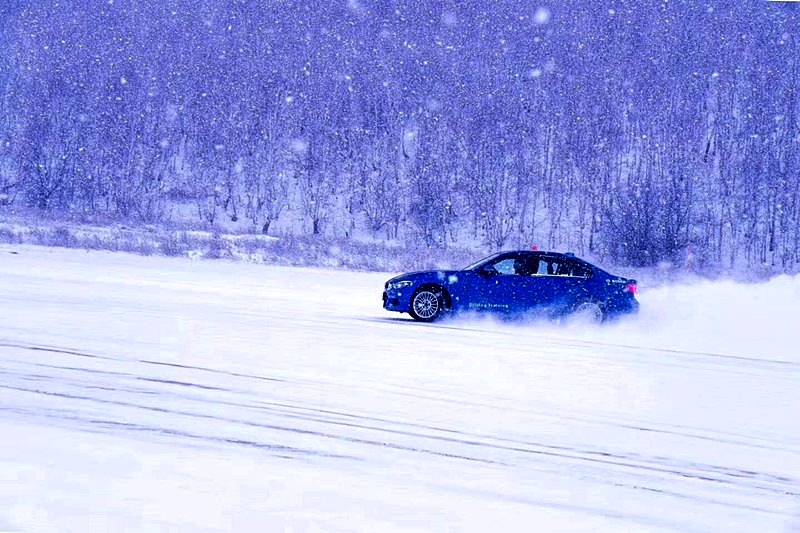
point(394, 300)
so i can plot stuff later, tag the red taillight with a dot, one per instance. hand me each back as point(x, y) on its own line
point(632, 288)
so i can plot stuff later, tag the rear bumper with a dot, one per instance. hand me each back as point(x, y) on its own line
point(628, 306)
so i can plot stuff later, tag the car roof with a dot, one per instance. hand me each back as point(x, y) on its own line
point(542, 252)
point(546, 253)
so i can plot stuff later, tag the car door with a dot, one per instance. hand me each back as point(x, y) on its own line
point(501, 286)
point(559, 284)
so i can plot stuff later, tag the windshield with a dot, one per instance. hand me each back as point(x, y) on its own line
point(473, 266)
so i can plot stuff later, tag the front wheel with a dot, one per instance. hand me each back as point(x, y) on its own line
point(427, 305)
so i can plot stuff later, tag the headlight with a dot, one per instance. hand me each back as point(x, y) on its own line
point(400, 284)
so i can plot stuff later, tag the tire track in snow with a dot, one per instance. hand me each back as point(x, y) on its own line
point(580, 417)
point(514, 453)
point(514, 329)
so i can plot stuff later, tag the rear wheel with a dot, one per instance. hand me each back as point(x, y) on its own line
point(427, 304)
point(588, 312)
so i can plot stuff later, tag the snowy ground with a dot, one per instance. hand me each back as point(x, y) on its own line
point(158, 394)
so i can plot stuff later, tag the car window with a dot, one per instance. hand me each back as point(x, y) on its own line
point(535, 265)
point(548, 266)
point(559, 266)
point(505, 266)
point(563, 268)
point(515, 265)
point(580, 270)
point(542, 267)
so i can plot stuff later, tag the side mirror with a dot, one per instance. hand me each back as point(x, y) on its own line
point(487, 270)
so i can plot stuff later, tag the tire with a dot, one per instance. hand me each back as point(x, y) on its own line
point(588, 313)
point(427, 304)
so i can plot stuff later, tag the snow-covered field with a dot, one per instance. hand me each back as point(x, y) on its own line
point(158, 394)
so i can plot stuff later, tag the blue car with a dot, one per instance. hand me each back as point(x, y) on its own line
point(515, 283)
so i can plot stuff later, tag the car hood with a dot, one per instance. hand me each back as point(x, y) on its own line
point(437, 276)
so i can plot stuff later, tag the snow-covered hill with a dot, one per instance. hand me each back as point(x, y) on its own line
point(162, 394)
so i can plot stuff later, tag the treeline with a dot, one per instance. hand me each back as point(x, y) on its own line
point(640, 131)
